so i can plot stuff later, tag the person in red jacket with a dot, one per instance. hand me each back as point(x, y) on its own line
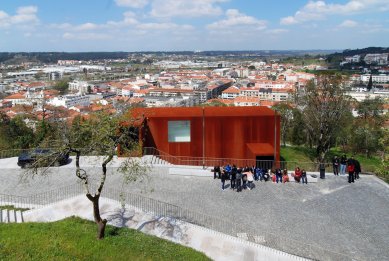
point(350, 169)
point(297, 174)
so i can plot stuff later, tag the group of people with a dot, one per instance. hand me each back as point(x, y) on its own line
point(351, 165)
point(243, 178)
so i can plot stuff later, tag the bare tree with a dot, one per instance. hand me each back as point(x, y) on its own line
point(323, 103)
point(101, 134)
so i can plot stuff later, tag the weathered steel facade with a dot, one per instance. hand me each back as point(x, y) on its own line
point(215, 132)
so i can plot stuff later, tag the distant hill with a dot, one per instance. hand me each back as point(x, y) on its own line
point(53, 57)
point(338, 57)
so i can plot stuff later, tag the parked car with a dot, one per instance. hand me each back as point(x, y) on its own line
point(46, 158)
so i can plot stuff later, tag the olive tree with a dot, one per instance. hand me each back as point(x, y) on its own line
point(100, 134)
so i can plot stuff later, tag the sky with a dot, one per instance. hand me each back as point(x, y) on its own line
point(191, 25)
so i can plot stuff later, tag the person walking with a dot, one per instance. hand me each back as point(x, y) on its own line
point(335, 165)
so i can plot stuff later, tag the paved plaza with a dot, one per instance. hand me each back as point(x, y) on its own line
point(349, 219)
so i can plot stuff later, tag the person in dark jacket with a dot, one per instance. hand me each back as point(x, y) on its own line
point(278, 175)
point(239, 180)
point(304, 176)
point(234, 170)
point(335, 165)
point(357, 169)
point(216, 172)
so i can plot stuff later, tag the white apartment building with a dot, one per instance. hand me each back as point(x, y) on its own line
point(353, 59)
point(78, 86)
point(378, 58)
point(249, 92)
point(70, 101)
point(380, 78)
point(231, 93)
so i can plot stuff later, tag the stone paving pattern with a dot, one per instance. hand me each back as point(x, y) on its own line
point(352, 219)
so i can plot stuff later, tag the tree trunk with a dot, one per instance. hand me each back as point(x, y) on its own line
point(101, 223)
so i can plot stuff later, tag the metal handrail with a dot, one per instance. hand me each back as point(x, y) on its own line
point(210, 162)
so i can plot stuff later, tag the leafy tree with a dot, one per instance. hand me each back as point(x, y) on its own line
point(20, 134)
point(286, 113)
point(368, 126)
point(214, 103)
point(62, 86)
point(322, 103)
point(298, 134)
point(4, 131)
point(383, 168)
point(101, 134)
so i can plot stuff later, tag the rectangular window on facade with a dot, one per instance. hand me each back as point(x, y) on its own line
point(179, 131)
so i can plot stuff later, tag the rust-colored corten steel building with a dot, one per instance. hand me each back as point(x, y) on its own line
point(212, 132)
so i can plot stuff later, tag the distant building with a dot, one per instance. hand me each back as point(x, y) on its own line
point(353, 59)
point(380, 78)
point(377, 58)
point(208, 133)
point(70, 101)
point(78, 86)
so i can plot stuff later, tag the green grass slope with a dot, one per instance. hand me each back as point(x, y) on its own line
point(74, 239)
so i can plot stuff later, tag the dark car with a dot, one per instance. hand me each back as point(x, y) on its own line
point(43, 158)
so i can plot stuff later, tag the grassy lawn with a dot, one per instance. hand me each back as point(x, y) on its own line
point(74, 239)
point(304, 154)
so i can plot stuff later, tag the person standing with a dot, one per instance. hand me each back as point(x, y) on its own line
point(239, 180)
point(357, 168)
point(234, 170)
point(304, 176)
point(216, 172)
point(343, 164)
point(335, 165)
point(223, 178)
point(227, 169)
point(350, 169)
point(278, 175)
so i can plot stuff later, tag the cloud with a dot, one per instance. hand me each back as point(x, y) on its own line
point(132, 3)
point(163, 26)
point(319, 10)
point(348, 24)
point(186, 8)
point(237, 19)
point(25, 15)
point(86, 36)
point(277, 31)
point(86, 27)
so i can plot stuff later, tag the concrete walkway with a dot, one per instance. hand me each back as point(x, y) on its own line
point(215, 245)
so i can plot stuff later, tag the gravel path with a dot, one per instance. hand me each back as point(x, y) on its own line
point(352, 219)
